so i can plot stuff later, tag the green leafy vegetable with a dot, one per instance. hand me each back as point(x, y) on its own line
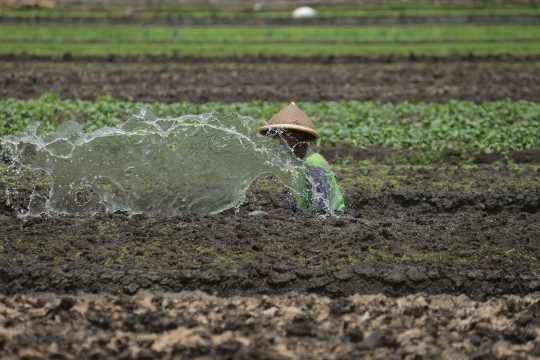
point(491, 126)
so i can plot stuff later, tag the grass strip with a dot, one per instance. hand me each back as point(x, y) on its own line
point(274, 42)
point(499, 126)
point(268, 33)
point(139, 40)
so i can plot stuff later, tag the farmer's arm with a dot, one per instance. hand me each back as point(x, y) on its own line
point(322, 187)
point(320, 198)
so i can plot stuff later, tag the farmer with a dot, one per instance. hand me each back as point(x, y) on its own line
point(317, 186)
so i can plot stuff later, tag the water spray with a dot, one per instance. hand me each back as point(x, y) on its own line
point(194, 163)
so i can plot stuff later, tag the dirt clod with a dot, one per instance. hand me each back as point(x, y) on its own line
point(191, 325)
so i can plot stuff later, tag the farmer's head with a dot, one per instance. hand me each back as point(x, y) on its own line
point(292, 127)
point(290, 138)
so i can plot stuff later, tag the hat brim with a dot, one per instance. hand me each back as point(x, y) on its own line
point(313, 135)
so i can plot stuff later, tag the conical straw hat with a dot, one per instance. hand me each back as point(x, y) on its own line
point(291, 117)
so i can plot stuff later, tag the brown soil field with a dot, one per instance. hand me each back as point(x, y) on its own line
point(436, 261)
point(445, 228)
point(429, 261)
point(388, 79)
point(197, 326)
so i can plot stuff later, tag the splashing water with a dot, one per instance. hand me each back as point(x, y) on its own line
point(194, 163)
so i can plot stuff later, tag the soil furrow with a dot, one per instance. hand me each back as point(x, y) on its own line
point(265, 59)
point(199, 83)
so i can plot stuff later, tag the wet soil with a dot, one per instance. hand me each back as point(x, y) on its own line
point(437, 229)
point(195, 325)
point(389, 156)
point(233, 79)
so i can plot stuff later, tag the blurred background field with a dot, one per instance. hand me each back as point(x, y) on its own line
point(290, 40)
point(238, 9)
point(250, 27)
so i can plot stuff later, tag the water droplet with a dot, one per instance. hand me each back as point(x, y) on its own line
point(129, 171)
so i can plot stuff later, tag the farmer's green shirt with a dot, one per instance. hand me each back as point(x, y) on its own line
point(317, 186)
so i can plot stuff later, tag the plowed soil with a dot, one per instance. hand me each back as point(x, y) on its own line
point(198, 326)
point(392, 277)
point(435, 229)
point(294, 286)
point(388, 79)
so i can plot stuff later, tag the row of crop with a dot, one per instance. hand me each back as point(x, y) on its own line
point(491, 126)
point(291, 40)
point(267, 33)
point(294, 49)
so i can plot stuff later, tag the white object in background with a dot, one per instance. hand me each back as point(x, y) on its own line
point(304, 12)
point(257, 7)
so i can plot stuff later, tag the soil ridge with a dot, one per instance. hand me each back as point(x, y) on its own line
point(261, 58)
point(358, 21)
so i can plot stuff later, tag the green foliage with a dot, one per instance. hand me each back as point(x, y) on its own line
point(261, 33)
point(292, 40)
point(491, 126)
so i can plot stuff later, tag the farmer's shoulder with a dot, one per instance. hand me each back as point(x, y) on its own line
point(316, 159)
